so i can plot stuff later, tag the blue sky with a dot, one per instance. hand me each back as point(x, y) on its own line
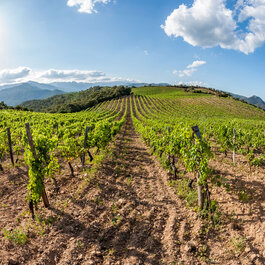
point(212, 42)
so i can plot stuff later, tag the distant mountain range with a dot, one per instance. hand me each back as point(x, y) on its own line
point(254, 100)
point(78, 86)
point(17, 94)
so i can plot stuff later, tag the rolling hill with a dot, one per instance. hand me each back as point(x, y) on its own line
point(211, 102)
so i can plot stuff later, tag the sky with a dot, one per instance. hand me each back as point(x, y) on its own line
point(215, 43)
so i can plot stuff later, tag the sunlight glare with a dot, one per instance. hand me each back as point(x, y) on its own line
point(2, 33)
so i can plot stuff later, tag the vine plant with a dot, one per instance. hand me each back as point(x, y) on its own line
point(45, 164)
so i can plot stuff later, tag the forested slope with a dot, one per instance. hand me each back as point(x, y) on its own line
point(77, 101)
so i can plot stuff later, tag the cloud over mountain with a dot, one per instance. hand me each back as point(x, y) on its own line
point(71, 74)
point(13, 75)
point(25, 74)
point(209, 23)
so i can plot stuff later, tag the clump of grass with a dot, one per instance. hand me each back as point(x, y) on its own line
point(129, 180)
point(79, 244)
point(242, 196)
point(190, 195)
point(98, 200)
point(116, 217)
point(202, 253)
point(111, 252)
point(184, 191)
point(238, 244)
point(17, 236)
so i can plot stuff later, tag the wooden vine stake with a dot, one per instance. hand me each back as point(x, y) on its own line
point(33, 150)
point(234, 151)
point(84, 155)
point(172, 163)
point(196, 131)
point(10, 145)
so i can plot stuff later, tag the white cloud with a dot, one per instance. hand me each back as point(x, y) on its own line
point(25, 74)
point(190, 69)
point(146, 52)
point(186, 72)
point(86, 6)
point(53, 75)
point(209, 23)
point(71, 74)
point(13, 75)
point(196, 64)
point(194, 83)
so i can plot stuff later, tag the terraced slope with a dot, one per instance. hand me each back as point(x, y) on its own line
point(189, 104)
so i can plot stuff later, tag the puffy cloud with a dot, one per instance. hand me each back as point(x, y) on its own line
point(13, 75)
point(254, 11)
point(86, 6)
point(190, 69)
point(209, 23)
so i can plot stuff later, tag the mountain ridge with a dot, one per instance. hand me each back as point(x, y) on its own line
point(16, 95)
point(253, 100)
point(79, 86)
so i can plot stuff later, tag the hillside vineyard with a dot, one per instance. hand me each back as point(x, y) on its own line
point(141, 179)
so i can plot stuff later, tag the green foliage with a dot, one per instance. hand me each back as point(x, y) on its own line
point(6, 107)
point(45, 165)
point(58, 136)
point(167, 91)
point(258, 161)
point(3, 144)
point(166, 129)
point(3, 105)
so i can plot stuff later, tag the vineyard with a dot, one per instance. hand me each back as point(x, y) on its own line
point(164, 176)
